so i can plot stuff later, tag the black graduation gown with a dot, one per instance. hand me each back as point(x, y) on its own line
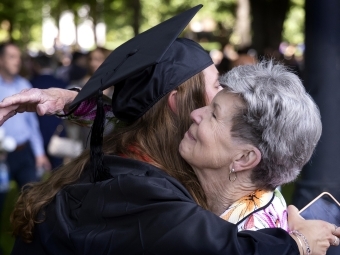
point(141, 210)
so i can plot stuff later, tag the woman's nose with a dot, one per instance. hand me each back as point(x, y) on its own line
point(196, 115)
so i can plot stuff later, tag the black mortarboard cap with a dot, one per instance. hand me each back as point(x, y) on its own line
point(143, 70)
point(144, 51)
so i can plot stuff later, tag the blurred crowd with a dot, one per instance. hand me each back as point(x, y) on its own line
point(229, 57)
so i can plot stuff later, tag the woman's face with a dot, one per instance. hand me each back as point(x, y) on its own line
point(212, 85)
point(208, 143)
point(96, 59)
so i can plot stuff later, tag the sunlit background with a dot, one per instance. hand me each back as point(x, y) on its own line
point(50, 25)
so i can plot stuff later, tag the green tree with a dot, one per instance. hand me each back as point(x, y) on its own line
point(268, 17)
point(124, 18)
point(18, 17)
point(294, 25)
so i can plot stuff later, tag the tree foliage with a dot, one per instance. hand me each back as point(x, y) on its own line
point(18, 17)
point(293, 29)
point(21, 21)
point(267, 24)
point(123, 18)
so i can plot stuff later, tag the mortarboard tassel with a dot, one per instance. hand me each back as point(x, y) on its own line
point(100, 172)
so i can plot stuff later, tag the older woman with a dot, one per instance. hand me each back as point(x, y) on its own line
point(257, 134)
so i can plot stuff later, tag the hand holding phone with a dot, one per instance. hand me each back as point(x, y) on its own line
point(323, 207)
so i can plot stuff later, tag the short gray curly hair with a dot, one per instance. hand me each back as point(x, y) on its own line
point(279, 117)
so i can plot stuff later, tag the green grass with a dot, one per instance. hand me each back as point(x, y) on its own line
point(6, 239)
point(287, 192)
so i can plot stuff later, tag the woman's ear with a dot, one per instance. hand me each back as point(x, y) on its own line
point(172, 101)
point(248, 159)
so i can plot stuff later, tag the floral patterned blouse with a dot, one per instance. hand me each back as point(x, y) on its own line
point(258, 210)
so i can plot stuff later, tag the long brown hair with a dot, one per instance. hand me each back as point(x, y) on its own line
point(156, 134)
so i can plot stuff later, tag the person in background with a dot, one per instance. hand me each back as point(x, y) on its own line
point(29, 155)
point(77, 69)
point(43, 78)
point(74, 74)
point(243, 59)
point(63, 65)
point(242, 149)
point(96, 58)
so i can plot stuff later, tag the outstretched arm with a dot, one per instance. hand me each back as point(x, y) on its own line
point(55, 101)
point(43, 101)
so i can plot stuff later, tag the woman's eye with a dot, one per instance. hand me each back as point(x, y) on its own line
point(213, 114)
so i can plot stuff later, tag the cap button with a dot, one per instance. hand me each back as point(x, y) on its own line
point(132, 52)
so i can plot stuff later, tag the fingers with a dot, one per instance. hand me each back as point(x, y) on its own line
point(6, 113)
point(335, 227)
point(336, 233)
point(4, 118)
point(24, 101)
point(48, 101)
point(47, 165)
point(319, 234)
point(12, 100)
point(293, 216)
point(335, 241)
point(25, 96)
point(41, 110)
point(48, 108)
point(292, 210)
point(43, 162)
point(24, 90)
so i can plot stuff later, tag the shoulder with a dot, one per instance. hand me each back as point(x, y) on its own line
point(22, 82)
point(131, 181)
point(134, 176)
point(273, 215)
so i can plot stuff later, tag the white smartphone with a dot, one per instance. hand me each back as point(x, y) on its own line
point(323, 207)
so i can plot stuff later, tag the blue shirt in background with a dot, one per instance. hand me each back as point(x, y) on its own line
point(23, 127)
